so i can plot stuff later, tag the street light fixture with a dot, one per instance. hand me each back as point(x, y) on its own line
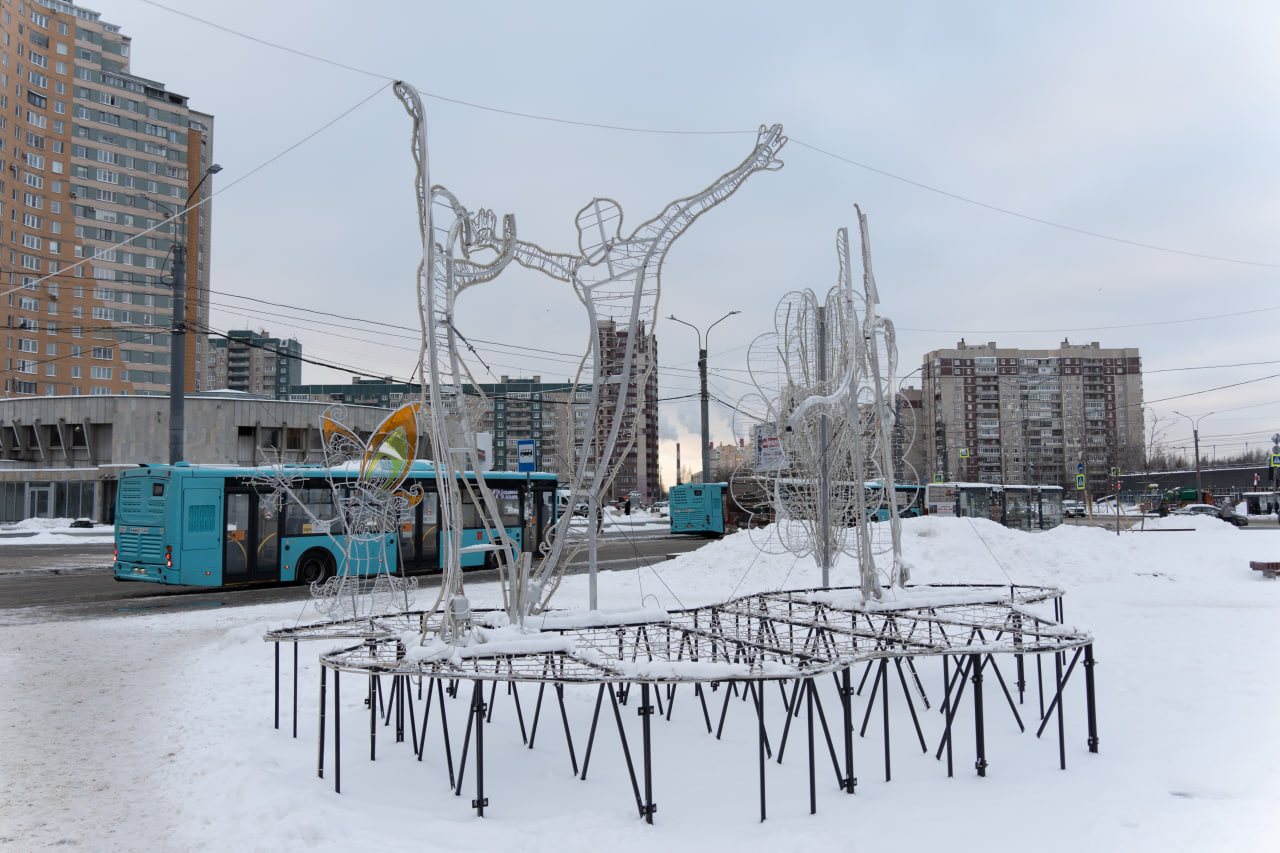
point(702, 375)
point(1195, 438)
point(178, 325)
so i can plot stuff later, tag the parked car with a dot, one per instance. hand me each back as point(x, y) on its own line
point(1226, 513)
point(660, 507)
point(1073, 509)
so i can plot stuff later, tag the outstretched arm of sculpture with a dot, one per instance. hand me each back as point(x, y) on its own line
point(680, 214)
point(529, 255)
point(553, 264)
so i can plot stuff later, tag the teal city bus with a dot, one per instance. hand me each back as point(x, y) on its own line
point(207, 525)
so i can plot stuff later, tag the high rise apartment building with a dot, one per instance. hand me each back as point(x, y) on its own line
point(253, 362)
point(638, 464)
point(92, 156)
point(1003, 415)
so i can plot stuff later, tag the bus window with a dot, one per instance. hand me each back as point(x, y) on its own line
point(319, 502)
point(508, 506)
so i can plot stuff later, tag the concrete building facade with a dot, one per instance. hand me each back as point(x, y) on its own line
point(91, 156)
point(253, 362)
point(1003, 415)
point(61, 458)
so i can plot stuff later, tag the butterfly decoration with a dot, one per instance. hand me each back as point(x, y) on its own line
point(384, 460)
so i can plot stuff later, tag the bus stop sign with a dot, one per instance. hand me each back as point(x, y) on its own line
point(524, 455)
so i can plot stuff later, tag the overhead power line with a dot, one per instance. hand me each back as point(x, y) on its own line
point(686, 132)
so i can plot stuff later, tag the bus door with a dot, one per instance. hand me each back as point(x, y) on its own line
point(544, 519)
point(420, 535)
point(251, 544)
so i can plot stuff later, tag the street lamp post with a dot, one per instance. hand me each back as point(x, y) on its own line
point(1195, 439)
point(178, 325)
point(702, 375)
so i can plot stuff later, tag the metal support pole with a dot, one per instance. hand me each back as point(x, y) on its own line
point(846, 707)
point(178, 354)
point(646, 711)
point(337, 736)
point(884, 703)
point(1062, 741)
point(813, 781)
point(477, 709)
point(706, 417)
point(979, 735)
point(946, 710)
point(295, 689)
point(320, 759)
point(277, 695)
point(1090, 697)
point(760, 736)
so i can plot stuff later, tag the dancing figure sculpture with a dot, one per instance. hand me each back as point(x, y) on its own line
point(624, 274)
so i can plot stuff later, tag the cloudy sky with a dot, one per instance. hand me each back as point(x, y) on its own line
point(1095, 171)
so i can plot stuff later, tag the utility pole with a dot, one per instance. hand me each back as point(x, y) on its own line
point(1195, 439)
point(178, 323)
point(702, 374)
point(178, 355)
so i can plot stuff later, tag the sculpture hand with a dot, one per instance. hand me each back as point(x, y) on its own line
point(769, 142)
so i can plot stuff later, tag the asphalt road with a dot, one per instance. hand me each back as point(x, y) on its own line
point(49, 582)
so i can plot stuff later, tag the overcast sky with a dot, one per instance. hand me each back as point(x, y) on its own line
point(981, 140)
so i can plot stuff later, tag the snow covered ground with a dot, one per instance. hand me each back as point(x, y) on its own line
point(53, 531)
point(153, 732)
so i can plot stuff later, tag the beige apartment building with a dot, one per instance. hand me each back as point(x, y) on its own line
point(93, 156)
point(1002, 415)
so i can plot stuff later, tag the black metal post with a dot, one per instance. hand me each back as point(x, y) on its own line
point(277, 695)
point(813, 781)
point(846, 707)
point(295, 689)
point(477, 708)
point(946, 710)
point(760, 732)
point(1062, 742)
point(979, 735)
point(646, 711)
point(1090, 697)
point(373, 717)
point(337, 736)
point(320, 760)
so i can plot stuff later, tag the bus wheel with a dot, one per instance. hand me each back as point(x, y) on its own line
point(315, 566)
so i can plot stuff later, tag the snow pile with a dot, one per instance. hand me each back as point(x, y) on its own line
point(155, 732)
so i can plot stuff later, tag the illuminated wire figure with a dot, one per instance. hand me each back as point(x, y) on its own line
point(622, 275)
point(831, 369)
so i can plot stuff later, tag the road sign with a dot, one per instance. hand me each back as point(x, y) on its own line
point(1080, 482)
point(964, 453)
point(1275, 460)
point(524, 455)
point(1115, 472)
point(937, 478)
point(1079, 467)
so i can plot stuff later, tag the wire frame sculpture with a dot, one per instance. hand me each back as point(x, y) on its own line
point(365, 482)
point(826, 380)
point(620, 276)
